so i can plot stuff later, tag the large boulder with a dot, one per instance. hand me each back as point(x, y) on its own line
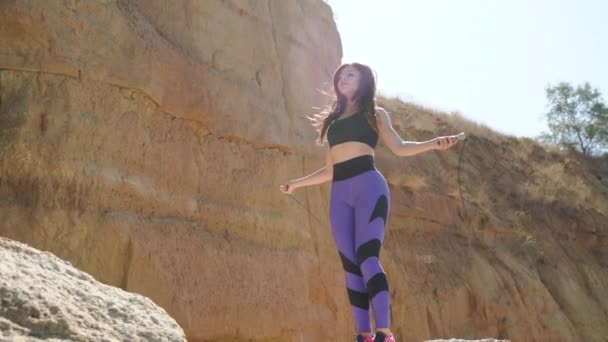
point(45, 298)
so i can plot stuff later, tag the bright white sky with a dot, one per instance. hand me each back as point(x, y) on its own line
point(488, 59)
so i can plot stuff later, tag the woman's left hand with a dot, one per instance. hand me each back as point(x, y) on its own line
point(443, 143)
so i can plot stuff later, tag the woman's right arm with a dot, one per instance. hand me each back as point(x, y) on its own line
point(324, 174)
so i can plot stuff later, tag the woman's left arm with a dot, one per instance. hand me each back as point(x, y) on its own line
point(408, 148)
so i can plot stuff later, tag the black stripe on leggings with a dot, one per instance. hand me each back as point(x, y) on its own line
point(350, 266)
point(380, 210)
point(358, 299)
point(377, 284)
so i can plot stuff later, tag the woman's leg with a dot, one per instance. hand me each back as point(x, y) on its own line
point(343, 230)
point(371, 214)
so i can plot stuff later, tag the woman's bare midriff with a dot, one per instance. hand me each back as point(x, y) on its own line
point(349, 150)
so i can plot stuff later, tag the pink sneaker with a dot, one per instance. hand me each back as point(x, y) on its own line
point(380, 337)
point(365, 338)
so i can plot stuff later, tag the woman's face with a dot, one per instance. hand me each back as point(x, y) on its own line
point(348, 81)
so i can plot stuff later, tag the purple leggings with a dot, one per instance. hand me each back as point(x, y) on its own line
point(358, 212)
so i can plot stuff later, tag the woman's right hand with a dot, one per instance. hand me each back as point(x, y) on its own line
point(288, 188)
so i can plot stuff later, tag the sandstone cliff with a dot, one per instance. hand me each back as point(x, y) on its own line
point(144, 141)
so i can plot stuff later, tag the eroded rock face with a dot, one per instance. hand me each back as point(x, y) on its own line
point(43, 297)
point(144, 141)
point(245, 70)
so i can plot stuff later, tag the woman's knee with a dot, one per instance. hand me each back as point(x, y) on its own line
point(370, 267)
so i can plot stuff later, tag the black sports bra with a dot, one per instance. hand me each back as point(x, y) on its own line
point(353, 128)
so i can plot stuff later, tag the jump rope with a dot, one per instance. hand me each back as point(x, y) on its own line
point(460, 136)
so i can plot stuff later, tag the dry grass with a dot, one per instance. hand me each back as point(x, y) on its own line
point(471, 127)
point(428, 119)
point(482, 195)
point(535, 172)
point(525, 244)
point(566, 181)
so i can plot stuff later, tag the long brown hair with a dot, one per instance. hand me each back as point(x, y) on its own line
point(364, 97)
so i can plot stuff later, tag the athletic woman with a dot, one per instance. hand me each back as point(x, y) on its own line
point(360, 197)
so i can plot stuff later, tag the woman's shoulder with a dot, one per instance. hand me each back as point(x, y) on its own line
point(382, 114)
point(381, 110)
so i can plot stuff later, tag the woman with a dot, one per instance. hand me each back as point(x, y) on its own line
point(360, 196)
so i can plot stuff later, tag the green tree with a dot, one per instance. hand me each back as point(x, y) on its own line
point(577, 119)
